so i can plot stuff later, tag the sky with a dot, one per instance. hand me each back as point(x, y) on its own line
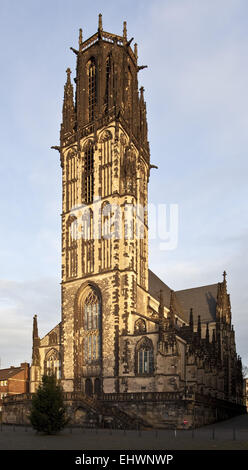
point(197, 110)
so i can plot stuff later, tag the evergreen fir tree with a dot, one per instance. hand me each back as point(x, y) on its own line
point(48, 412)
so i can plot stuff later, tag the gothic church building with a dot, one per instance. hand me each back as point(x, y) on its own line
point(126, 340)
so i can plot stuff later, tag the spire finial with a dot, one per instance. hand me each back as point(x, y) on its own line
point(68, 112)
point(224, 281)
point(136, 50)
point(125, 30)
point(100, 22)
point(35, 327)
point(68, 71)
point(80, 38)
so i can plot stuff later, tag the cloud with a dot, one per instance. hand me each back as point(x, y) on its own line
point(19, 302)
point(196, 51)
point(197, 102)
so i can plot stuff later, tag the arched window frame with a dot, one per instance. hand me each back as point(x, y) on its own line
point(71, 246)
point(144, 357)
point(91, 321)
point(92, 88)
point(71, 179)
point(106, 236)
point(106, 163)
point(87, 241)
point(129, 94)
point(88, 175)
point(52, 363)
point(108, 83)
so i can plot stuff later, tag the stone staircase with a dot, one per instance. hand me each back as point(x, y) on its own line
point(115, 415)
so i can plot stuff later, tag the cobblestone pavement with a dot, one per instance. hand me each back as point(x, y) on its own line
point(230, 434)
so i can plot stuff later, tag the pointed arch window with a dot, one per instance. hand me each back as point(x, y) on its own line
point(143, 259)
point(106, 239)
point(108, 78)
point(144, 357)
point(87, 242)
point(142, 184)
point(88, 173)
point(71, 245)
point(106, 164)
point(92, 92)
point(71, 180)
point(129, 93)
point(52, 363)
point(91, 312)
point(110, 88)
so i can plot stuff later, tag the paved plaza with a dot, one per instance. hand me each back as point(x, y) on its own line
point(230, 434)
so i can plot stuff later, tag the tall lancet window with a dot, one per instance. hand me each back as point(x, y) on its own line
point(144, 361)
point(106, 241)
point(71, 180)
point(106, 164)
point(108, 79)
point(92, 328)
point(88, 179)
point(52, 363)
point(92, 92)
point(143, 260)
point(110, 88)
point(129, 93)
point(142, 185)
point(87, 242)
point(71, 247)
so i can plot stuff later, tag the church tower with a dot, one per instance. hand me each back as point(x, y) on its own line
point(105, 160)
point(142, 350)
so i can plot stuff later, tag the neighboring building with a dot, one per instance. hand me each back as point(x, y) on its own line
point(125, 337)
point(13, 381)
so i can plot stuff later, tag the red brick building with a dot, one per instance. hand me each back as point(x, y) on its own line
point(14, 380)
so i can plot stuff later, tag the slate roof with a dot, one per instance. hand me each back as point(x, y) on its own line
point(202, 299)
point(5, 374)
point(155, 285)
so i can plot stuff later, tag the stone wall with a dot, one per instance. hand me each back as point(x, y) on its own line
point(148, 410)
point(16, 409)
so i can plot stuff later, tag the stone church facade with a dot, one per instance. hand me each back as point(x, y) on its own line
point(126, 340)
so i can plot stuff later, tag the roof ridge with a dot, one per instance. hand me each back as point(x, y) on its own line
point(149, 270)
point(10, 368)
point(198, 287)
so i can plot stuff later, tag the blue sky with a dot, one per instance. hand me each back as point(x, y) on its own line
point(197, 104)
